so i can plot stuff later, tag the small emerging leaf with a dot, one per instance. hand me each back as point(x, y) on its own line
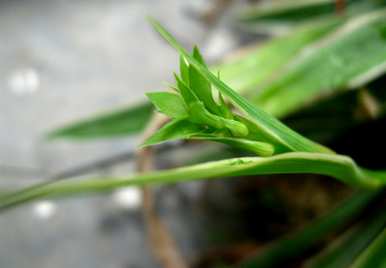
point(197, 55)
point(176, 129)
point(203, 89)
point(185, 91)
point(199, 114)
point(168, 103)
point(259, 148)
point(184, 70)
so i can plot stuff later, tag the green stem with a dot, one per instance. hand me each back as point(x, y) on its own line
point(340, 167)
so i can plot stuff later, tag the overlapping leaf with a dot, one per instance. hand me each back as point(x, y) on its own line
point(343, 251)
point(269, 126)
point(336, 63)
point(282, 15)
point(291, 246)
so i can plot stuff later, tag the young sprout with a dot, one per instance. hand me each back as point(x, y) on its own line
point(195, 114)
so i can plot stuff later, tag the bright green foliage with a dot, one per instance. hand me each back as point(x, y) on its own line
point(169, 103)
point(269, 127)
point(196, 114)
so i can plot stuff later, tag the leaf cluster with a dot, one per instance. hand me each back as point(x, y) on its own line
point(196, 114)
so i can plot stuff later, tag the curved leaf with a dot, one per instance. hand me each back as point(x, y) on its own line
point(337, 166)
point(296, 243)
point(343, 251)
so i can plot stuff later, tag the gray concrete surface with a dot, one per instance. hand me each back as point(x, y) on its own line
point(63, 60)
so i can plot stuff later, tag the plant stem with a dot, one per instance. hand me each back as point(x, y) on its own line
point(162, 244)
point(340, 6)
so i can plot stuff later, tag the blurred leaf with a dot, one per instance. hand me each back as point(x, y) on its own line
point(374, 255)
point(246, 72)
point(282, 15)
point(293, 245)
point(184, 70)
point(343, 251)
point(168, 103)
point(336, 63)
point(119, 123)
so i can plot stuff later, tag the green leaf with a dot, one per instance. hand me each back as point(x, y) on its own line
point(259, 148)
point(246, 73)
point(184, 70)
point(335, 64)
point(199, 115)
point(176, 129)
point(343, 251)
point(337, 166)
point(374, 255)
point(186, 93)
point(197, 55)
point(168, 103)
point(288, 11)
point(243, 74)
point(203, 90)
point(286, 248)
point(281, 16)
point(123, 122)
point(225, 111)
point(278, 132)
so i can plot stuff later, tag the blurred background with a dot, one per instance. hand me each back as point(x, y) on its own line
point(65, 60)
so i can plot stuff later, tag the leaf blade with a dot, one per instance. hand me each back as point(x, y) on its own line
point(279, 132)
point(169, 104)
point(127, 121)
point(337, 166)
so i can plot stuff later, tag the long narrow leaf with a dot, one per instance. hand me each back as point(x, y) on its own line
point(295, 244)
point(339, 167)
point(374, 256)
point(343, 251)
point(123, 122)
